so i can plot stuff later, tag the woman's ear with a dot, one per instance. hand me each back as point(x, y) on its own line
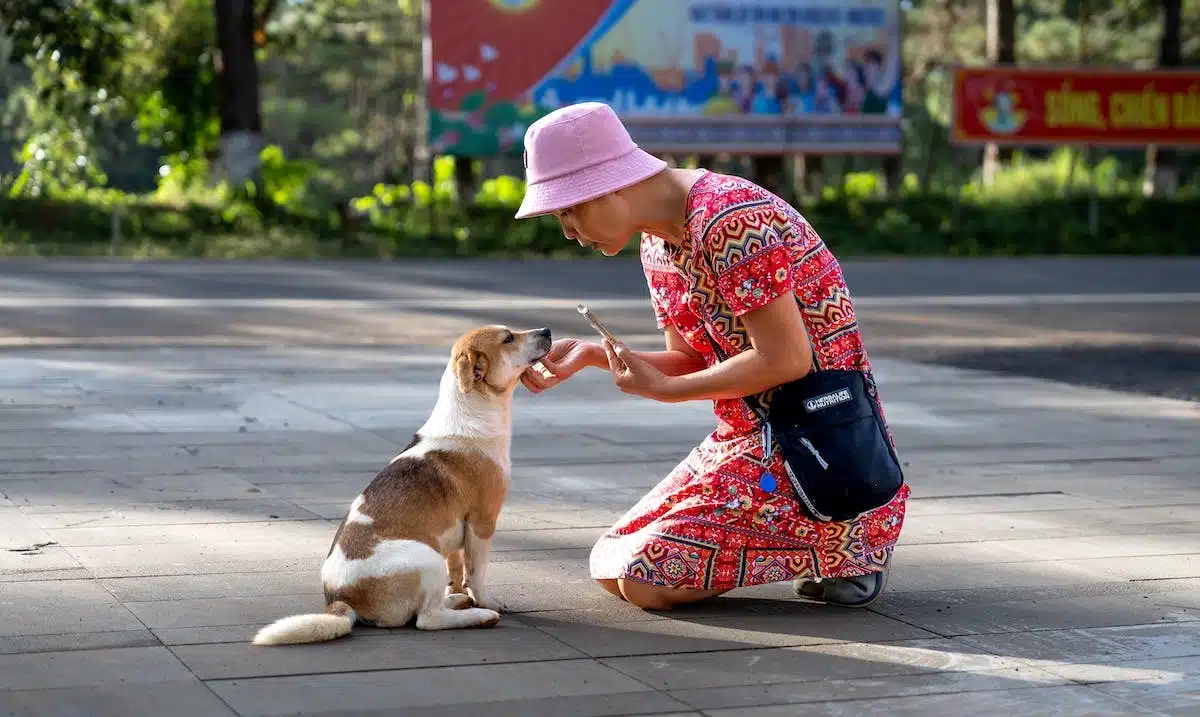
point(470, 366)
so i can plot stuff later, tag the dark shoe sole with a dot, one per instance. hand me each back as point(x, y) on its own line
point(811, 590)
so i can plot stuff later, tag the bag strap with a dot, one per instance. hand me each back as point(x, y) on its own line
point(753, 401)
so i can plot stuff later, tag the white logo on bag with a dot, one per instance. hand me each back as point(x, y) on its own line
point(819, 403)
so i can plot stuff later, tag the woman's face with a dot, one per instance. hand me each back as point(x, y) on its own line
point(603, 224)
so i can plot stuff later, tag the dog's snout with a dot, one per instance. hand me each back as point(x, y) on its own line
point(541, 341)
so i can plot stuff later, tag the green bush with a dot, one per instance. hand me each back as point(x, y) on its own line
point(390, 224)
point(1025, 212)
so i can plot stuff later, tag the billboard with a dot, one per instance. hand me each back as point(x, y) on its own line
point(685, 75)
point(1033, 106)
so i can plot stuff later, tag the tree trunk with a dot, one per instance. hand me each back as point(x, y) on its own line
point(1162, 171)
point(238, 103)
point(768, 173)
point(1001, 50)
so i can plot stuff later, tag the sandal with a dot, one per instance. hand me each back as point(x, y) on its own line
point(856, 592)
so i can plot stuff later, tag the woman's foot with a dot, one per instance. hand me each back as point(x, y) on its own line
point(859, 591)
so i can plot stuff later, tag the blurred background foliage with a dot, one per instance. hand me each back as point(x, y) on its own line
point(112, 124)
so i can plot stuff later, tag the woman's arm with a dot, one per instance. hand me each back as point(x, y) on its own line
point(780, 353)
point(679, 359)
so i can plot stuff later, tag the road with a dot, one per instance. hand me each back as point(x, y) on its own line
point(1127, 323)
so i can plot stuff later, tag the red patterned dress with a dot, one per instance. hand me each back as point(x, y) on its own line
point(711, 524)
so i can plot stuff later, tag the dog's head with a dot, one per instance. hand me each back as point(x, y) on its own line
point(494, 357)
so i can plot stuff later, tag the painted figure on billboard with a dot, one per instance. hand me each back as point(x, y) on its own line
point(657, 59)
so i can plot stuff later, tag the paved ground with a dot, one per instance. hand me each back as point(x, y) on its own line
point(180, 440)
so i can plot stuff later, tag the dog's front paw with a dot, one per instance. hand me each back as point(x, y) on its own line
point(486, 600)
point(456, 601)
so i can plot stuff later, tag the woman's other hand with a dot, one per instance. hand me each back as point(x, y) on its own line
point(634, 374)
point(565, 358)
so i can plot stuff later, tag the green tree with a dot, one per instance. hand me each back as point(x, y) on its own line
point(1162, 172)
point(109, 76)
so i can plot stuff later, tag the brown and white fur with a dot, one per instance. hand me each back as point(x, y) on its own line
point(400, 551)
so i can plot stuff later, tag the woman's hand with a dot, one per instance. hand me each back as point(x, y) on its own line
point(634, 374)
point(565, 358)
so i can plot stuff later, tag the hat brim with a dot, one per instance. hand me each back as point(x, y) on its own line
point(589, 183)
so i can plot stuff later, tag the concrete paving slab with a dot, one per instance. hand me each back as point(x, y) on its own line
point(49, 607)
point(576, 682)
point(228, 610)
point(1155, 567)
point(189, 587)
point(1072, 699)
point(1180, 543)
point(856, 694)
point(945, 618)
point(303, 543)
point(1190, 599)
point(209, 513)
point(35, 562)
point(217, 565)
point(945, 574)
point(126, 486)
point(172, 636)
point(618, 705)
point(1174, 690)
point(18, 533)
point(520, 596)
point(681, 633)
point(1048, 526)
point(92, 668)
point(242, 532)
point(373, 649)
point(82, 641)
point(178, 698)
point(817, 662)
point(1104, 645)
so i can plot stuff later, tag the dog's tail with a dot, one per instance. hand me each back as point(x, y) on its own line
point(337, 621)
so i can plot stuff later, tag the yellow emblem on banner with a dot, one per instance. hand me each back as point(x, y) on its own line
point(514, 5)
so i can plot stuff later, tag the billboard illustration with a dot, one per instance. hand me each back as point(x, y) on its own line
point(685, 75)
point(1053, 106)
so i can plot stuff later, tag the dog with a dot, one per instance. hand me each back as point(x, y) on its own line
point(415, 542)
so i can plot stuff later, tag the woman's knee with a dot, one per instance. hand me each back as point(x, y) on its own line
point(610, 585)
point(654, 597)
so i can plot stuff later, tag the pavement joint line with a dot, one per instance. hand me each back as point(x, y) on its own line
point(518, 303)
point(208, 687)
point(1027, 494)
point(1017, 687)
point(918, 672)
point(1159, 580)
point(1026, 630)
point(376, 670)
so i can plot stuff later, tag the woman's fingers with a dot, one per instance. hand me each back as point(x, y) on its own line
point(536, 381)
point(549, 365)
point(614, 363)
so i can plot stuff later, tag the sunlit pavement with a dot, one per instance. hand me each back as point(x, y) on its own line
point(181, 440)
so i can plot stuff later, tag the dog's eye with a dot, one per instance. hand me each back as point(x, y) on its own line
point(508, 338)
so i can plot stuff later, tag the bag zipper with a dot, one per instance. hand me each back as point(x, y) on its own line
point(804, 498)
point(816, 454)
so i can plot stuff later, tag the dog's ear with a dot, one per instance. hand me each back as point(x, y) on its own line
point(470, 366)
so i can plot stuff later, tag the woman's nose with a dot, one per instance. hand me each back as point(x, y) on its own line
point(567, 230)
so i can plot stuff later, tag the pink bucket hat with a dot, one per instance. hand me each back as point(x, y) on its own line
point(578, 153)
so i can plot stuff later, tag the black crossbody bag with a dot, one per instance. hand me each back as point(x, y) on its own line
point(834, 441)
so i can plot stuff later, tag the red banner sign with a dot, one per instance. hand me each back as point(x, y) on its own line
point(1028, 107)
